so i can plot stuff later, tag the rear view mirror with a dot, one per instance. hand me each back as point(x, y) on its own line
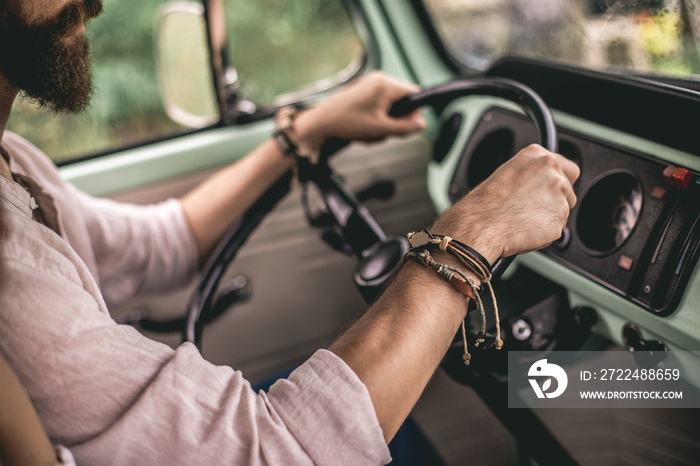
point(184, 66)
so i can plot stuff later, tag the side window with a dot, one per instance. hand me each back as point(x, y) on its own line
point(127, 107)
point(280, 50)
point(280, 47)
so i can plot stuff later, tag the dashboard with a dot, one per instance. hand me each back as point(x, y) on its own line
point(631, 244)
point(635, 228)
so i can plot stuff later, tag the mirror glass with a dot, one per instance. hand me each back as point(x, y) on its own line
point(184, 66)
point(281, 48)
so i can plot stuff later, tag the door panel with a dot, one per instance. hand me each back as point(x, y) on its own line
point(303, 294)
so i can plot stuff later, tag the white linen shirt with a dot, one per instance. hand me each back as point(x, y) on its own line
point(114, 396)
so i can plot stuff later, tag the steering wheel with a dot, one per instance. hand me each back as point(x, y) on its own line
point(380, 255)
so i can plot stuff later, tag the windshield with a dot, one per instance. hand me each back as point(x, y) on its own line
point(657, 37)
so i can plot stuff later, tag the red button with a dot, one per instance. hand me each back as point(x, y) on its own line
point(682, 177)
point(668, 175)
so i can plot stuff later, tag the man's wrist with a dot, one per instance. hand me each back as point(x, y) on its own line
point(482, 241)
point(309, 129)
point(426, 283)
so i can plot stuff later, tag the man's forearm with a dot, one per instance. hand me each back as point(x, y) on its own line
point(214, 205)
point(397, 345)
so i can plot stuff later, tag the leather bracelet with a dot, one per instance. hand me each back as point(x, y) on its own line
point(461, 283)
point(287, 139)
point(451, 274)
point(424, 239)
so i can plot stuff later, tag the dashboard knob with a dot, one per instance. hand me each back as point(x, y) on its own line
point(647, 353)
point(521, 330)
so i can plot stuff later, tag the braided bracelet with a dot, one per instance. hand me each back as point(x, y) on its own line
point(287, 139)
point(424, 241)
point(471, 258)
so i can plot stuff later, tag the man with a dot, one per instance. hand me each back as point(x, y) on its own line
point(113, 396)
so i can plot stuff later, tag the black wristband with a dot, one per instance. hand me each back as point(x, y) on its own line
point(421, 241)
point(472, 251)
point(285, 144)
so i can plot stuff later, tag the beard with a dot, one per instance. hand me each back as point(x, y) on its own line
point(49, 62)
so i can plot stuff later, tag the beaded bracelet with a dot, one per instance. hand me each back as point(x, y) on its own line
point(287, 139)
point(423, 242)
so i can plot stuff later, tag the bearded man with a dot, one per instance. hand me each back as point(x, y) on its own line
point(113, 396)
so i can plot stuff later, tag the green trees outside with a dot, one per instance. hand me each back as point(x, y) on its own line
point(279, 46)
point(276, 46)
point(126, 106)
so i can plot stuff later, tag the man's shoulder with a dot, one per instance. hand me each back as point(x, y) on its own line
point(22, 151)
point(16, 143)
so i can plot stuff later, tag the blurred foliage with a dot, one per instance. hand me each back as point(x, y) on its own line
point(298, 43)
point(276, 46)
point(126, 107)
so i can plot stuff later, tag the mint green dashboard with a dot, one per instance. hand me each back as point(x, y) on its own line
point(614, 304)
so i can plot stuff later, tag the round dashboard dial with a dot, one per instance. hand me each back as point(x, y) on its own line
point(609, 212)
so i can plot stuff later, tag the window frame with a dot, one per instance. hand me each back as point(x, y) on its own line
point(438, 44)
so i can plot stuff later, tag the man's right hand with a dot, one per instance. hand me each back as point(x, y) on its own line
point(522, 207)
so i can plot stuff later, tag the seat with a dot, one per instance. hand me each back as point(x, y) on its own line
point(23, 439)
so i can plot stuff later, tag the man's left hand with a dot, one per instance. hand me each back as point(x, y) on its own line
point(360, 112)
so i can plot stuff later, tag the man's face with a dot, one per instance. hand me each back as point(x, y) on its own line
point(44, 51)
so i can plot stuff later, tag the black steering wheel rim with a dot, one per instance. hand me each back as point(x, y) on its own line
point(529, 100)
point(516, 92)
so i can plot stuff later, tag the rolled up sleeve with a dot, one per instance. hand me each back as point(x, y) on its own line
point(139, 249)
point(330, 412)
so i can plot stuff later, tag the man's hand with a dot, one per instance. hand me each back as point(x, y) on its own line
point(522, 207)
point(360, 112)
